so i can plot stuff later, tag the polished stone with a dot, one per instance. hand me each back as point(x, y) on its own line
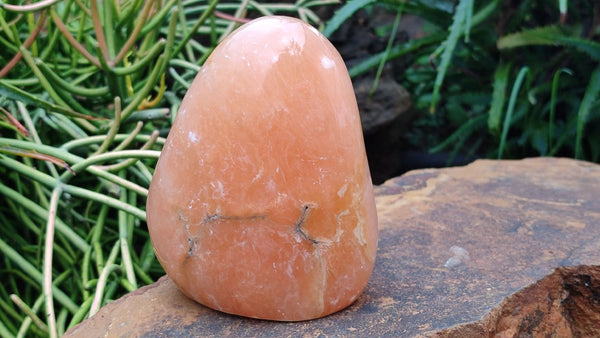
point(262, 203)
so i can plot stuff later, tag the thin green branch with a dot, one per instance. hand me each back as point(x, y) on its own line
point(27, 322)
point(81, 192)
point(30, 39)
point(114, 129)
point(48, 251)
point(63, 29)
point(29, 311)
point(134, 34)
point(199, 22)
point(31, 271)
point(42, 213)
point(105, 61)
point(28, 8)
point(144, 61)
point(131, 161)
point(106, 270)
point(124, 240)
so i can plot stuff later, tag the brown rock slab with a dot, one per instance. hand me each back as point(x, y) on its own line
point(501, 248)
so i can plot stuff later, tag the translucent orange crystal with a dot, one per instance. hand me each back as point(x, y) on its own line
point(262, 204)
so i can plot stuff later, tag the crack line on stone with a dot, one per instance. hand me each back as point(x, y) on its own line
point(213, 217)
point(208, 219)
point(304, 214)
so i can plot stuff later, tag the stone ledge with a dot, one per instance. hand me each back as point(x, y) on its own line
point(458, 249)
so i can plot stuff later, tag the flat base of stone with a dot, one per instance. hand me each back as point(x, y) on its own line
point(462, 252)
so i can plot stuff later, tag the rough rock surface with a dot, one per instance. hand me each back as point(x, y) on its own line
point(463, 252)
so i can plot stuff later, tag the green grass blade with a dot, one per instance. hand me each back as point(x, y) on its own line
point(511, 107)
point(536, 36)
point(387, 48)
point(463, 132)
point(396, 51)
point(549, 36)
point(415, 45)
point(590, 96)
point(469, 20)
point(456, 29)
point(553, 96)
point(343, 14)
point(498, 97)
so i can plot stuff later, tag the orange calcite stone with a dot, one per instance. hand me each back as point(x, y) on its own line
point(262, 204)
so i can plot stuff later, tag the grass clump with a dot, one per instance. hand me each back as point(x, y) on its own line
point(88, 91)
point(499, 79)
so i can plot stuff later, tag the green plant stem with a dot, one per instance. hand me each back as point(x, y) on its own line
point(102, 46)
point(61, 154)
point(29, 311)
point(149, 115)
point(97, 236)
point(108, 27)
point(32, 318)
point(6, 29)
point(150, 82)
point(134, 34)
point(46, 84)
point(31, 271)
point(239, 13)
point(70, 87)
point(114, 129)
point(106, 270)
point(144, 61)
point(142, 274)
point(101, 198)
point(463, 132)
point(126, 163)
point(15, 93)
point(28, 8)
point(34, 134)
point(82, 142)
point(4, 331)
point(179, 79)
point(124, 239)
point(30, 39)
point(37, 210)
point(81, 192)
point(48, 251)
point(80, 314)
point(133, 135)
point(157, 17)
point(110, 156)
point(80, 48)
point(498, 97)
point(199, 22)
